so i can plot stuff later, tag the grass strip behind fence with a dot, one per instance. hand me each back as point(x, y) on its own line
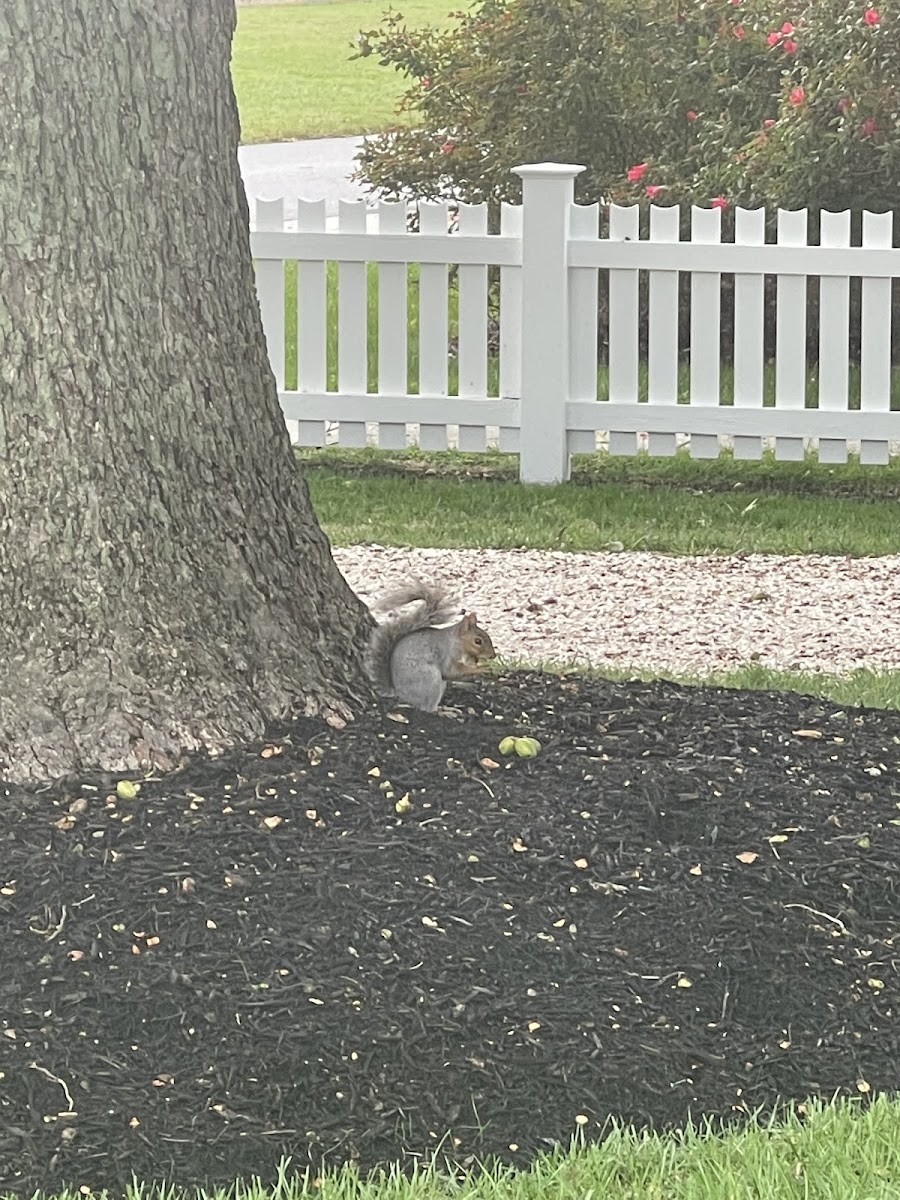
point(851, 480)
point(679, 506)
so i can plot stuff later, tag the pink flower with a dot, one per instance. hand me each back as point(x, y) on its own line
point(739, 32)
point(637, 172)
point(773, 39)
point(787, 27)
point(735, 1)
point(653, 190)
point(872, 16)
point(798, 95)
point(692, 115)
point(768, 123)
point(448, 147)
point(719, 202)
point(868, 127)
point(426, 81)
point(843, 104)
point(790, 46)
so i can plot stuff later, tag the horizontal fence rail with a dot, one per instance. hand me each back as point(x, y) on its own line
point(568, 328)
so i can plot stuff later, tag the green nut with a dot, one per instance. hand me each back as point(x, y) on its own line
point(126, 790)
point(527, 747)
point(508, 745)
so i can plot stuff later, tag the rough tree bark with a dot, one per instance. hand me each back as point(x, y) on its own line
point(164, 584)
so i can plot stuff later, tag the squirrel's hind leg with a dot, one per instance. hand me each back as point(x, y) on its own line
point(424, 691)
point(433, 688)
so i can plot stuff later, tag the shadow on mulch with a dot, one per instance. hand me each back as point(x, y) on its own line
point(688, 903)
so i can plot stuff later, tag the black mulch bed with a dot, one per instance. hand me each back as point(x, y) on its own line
point(260, 957)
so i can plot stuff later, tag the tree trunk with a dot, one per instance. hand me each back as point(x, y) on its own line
point(164, 584)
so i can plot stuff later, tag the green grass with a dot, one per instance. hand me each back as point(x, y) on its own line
point(726, 474)
point(861, 688)
point(674, 512)
point(845, 1151)
point(293, 75)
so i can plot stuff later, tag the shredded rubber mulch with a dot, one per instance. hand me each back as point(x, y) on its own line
point(687, 904)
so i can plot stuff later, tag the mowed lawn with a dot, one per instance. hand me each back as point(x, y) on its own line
point(294, 77)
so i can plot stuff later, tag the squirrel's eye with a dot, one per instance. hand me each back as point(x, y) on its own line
point(478, 641)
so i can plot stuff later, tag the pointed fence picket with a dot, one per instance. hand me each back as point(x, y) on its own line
point(434, 325)
point(875, 350)
point(510, 353)
point(474, 320)
point(624, 344)
point(393, 324)
point(749, 330)
point(454, 335)
point(706, 296)
point(584, 290)
point(269, 274)
point(312, 318)
point(790, 332)
point(662, 358)
point(834, 335)
point(352, 322)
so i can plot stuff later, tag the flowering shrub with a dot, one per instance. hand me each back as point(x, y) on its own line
point(725, 102)
point(831, 134)
point(510, 81)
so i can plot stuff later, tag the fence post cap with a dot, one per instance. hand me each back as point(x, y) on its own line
point(548, 170)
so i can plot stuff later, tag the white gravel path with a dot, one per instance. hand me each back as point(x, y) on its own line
point(641, 610)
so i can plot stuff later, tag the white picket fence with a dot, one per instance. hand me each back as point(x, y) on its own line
point(534, 390)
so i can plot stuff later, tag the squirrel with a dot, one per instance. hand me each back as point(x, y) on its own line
point(411, 656)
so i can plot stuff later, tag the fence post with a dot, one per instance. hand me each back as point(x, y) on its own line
point(548, 191)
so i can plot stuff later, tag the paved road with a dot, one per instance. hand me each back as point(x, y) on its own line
point(312, 169)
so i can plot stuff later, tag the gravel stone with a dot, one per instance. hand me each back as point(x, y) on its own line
point(637, 610)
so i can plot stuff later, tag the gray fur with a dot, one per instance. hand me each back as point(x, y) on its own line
point(409, 655)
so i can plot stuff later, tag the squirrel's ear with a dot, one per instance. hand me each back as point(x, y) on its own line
point(468, 621)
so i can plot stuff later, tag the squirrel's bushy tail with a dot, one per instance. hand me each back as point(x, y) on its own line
point(434, 608)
